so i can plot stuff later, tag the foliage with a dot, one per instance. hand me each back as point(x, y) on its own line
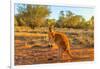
point(37, 16)
point(32, 16)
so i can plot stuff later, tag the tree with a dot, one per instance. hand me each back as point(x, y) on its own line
point(51, 22)
point(69, 14)
point(90, 22)
point(33, 15)
point(61, 19)
point(39, 15)
point(64, 19)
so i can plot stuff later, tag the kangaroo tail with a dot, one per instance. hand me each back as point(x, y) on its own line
point(74, 56)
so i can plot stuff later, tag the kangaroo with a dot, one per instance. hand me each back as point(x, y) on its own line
point(62, 41)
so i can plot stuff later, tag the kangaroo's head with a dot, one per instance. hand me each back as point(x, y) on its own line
point(51, 33)
point(51, 28)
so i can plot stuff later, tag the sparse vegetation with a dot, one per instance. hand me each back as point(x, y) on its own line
point(25, 17)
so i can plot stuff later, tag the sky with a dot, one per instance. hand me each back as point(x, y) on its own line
point(85, 12)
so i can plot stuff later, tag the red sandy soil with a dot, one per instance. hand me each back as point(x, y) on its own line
point(39, 54)
point(27, 56)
